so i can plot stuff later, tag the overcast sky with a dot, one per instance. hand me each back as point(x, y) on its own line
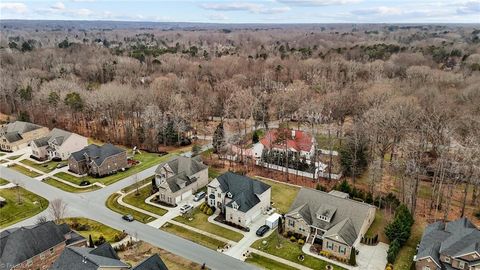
point(263, 11)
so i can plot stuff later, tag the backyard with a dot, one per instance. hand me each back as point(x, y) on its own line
point(404, 258)
point(200, 221)
point(193, 236)
point(283, 195)
point(113, 205)
point(24, 170)
point(138, 200)
point(21, 204)
point(378, 226)
point(45, 167)
point(289, 251)
point(86, 227)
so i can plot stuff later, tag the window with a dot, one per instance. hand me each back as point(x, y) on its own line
point(42, 256)
point(239, 220)
point(229, 195)
point(342, 249)
point(291, 223)
point(461, 264)
point(29, 262)
point(426, 268)
point(330, 245)
point(447, 259)
point(51, 251)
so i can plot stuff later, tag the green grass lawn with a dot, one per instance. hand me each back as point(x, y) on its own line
point(45, 167)
point(112, 204)
point(282, 195)
point(266, 263)
point(213, 173)
point(13, 212)
point(3, 161)
point(24, 170)
point(200, 221)
point(404, 258)
point(2, 154)
point(95, 229)
point(138, 200)
point(139, 183)
point(193, 236)
point(378, 226)
point(68, 188)
point(324, 142)
point(146, 159)
point(14, 157)
point(289, 251)
point(3, 182)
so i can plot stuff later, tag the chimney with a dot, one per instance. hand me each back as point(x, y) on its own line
point(293, 134)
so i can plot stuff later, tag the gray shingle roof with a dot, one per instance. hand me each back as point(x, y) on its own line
point(244, 189)
point(20, 244)
point(56, 134)
point(97, 153)
point(153, 262)
point(13, 131)
point(453, 239)
point(348, 213)
point(83, 258)
point(344, 231)
point(183, 168)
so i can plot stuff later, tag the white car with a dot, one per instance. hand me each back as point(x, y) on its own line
point(184, 209)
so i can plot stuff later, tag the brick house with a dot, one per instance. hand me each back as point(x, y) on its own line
point(35, 247)
point(240, 198)
point(298, 143)
point(58, 144)
point(17, 135)
point(331, 220)
point(179, 178)
point(450, 245)
point(98, 160)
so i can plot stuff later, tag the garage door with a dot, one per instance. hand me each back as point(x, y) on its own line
point(253, 216)
point(186, 194)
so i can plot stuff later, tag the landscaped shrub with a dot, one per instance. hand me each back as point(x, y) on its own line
point(100, 241)
point(202, 206)
point(398, 231)
point(209, 211)
point(393, 251)
point(285, 234)
point(325, 253)
point(301, 242)
point(293, 239)
point(353, 257)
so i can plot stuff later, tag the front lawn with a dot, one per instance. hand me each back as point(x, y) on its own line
point(86, 227)
point(45, 167)
point(146, 159)
point(14, 157)
point(3, 182)
point(113, 205)
point(24, 170)
point(282, 195)
point(21, 204)
point(266, 263)
point(193, 236)
point(68, 188)
point(404, 258)
point(289, 251)
point(200, 221)
point(138, 200)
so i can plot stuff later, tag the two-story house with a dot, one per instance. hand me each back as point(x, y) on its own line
point(335, 222)
point(57, 145)
point(296, 142)
point(35, 247)
point(240, 198)
point(179, 178)
point(98, 160)
point(17, 135)
point(449, 245)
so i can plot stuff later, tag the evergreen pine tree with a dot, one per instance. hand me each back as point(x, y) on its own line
point(353, 257)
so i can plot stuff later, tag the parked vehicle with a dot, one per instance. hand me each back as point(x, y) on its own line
point(61, 165)
point(128, 218)
point(262, 230)
point(184, 209)
point(200, 195)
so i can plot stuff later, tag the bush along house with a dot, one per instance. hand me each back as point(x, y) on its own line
point(331, 222)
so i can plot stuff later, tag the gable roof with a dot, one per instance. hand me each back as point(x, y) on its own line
point(244, 190)
point(153, 262)
point(347, 216)
point(300, 141)
point(13, 131)
point(97, 153)
point(183, 169)
point(23, 243)
point(83, 258)
point(455, 238)
point(55, 135)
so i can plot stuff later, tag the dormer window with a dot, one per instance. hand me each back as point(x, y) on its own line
point(447, 259)
point(229, 195)
point(235, 205)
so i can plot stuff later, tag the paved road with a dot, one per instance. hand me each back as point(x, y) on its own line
point(92, 205)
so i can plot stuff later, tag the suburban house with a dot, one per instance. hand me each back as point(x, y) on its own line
point(57, 145)
point(17, 135)
point(240, 198)
point(330, 220)
point(153, 262)
point(298, 142)
point(98, 160)
point(36, 247)
point(179, 178)
point(450, 245)
point(86, 258)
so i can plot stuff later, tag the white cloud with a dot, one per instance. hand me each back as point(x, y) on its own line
point(470, 7)
point(80, 1)
point(13, 7)
point(218, 17)
point(82, 12)
point(58, 6)
point(318, 2)
point(244, 6)
point(382, 11)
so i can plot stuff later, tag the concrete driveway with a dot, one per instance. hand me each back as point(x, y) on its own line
point(372, 257)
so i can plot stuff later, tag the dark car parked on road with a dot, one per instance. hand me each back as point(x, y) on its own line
point(128, 218)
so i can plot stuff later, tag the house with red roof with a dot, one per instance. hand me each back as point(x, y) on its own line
point(295, 141)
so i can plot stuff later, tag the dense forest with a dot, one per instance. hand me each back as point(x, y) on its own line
point(409, 91)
